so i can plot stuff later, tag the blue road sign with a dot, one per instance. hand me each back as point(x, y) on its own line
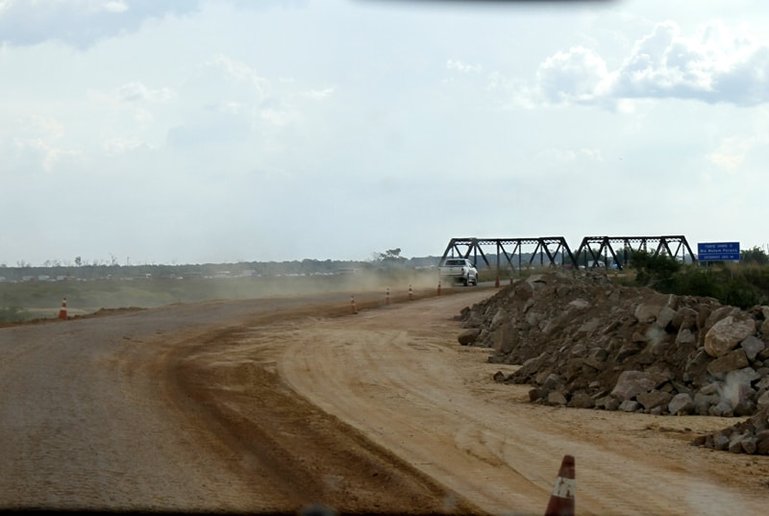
point(718, 251)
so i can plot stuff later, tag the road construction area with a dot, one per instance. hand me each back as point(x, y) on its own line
point(275, 404)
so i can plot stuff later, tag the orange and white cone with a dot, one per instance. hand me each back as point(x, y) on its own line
point(562, 498)
point(63, 310)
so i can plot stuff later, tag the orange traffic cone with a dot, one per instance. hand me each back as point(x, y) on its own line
point(352, 305)
point(562, 498)
point(411, 293)
point(63, 310)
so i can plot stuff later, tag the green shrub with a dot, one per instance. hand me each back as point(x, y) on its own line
point(654, 270)
point(743, 285)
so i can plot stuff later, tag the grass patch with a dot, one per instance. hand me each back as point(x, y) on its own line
point(90, 296)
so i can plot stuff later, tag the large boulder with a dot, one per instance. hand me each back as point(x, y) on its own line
point(505, 337)
point(725, 334)
point(653, 398)
point(581, 399)
point(718, 314)
point(685, 318)
point(753, 346)
point(650, 310)
point(556, 398)
point(666, 316)
point(730, 362)
point(632, 383)
point(468, 336)
point(765, 328)
point(681, 404)
point(685, 337)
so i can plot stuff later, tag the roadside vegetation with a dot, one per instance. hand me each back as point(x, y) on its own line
point(37, 299)
point(743, 284)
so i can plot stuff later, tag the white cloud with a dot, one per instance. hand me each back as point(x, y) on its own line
point(120, 145)
point(577, 75)
point(42, 151)
point(732, 152)
point(239, 71)
point(278, 117)
point(136, 91)
point(319, 94)
point(716, 65)
point(80, 23)
point(115, 7)
point(34, 143)
point(456, 65)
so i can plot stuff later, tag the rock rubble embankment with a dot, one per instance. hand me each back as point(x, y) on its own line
point(583, 341)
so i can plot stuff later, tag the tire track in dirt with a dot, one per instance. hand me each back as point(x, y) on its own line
point(298, 451)
point(92, 417)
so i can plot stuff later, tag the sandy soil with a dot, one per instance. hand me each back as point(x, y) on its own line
point(270, 405)
point(413, 390)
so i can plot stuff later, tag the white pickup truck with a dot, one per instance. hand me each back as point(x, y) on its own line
point(459, 270)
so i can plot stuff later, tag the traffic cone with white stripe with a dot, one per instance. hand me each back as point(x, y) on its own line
point(63, 310)
point(562, 498)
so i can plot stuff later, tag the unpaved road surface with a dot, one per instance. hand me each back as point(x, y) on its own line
point(271, 405)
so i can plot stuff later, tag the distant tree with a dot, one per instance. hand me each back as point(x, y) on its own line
point(392, 256)
point(754, 255)
point(78, 261)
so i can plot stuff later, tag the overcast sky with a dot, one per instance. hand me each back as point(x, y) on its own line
point(174, 131)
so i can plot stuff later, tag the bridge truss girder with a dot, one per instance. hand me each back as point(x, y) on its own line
point(600, 247)
point(547, 248)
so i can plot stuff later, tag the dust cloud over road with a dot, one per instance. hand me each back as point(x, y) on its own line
point(269, 405)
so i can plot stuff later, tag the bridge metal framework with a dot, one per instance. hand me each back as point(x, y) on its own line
point(550, 249)
point(596, 248)
point(594, 251)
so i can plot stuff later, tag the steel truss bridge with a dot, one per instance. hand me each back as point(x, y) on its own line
point(593, 252)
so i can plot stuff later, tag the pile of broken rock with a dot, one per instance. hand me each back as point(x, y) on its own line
point(583, 341)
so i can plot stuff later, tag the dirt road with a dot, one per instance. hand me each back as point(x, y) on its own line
point(271, 405)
